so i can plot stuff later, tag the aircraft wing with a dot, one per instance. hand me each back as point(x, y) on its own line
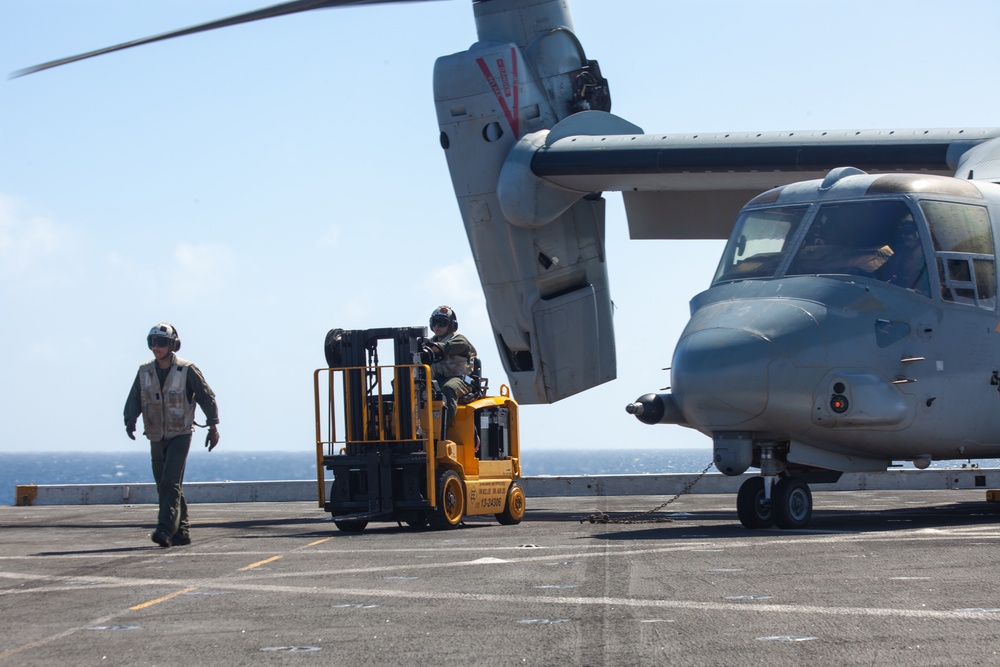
point(691, 186)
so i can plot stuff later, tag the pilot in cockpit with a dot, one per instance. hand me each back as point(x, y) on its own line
point(831, 248)
point(906, 267)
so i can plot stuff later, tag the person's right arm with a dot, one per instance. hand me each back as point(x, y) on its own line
point(133, 408)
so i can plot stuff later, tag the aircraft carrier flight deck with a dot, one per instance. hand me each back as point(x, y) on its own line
point(881, 576)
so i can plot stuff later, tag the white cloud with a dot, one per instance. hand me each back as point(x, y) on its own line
point(454, 284)
point(201, 268)
point(28, 239)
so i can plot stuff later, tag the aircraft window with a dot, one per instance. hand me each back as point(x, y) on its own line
point(959, 227)
point(759, 241)
point(963, 243)
point(878, 239)
point(957, 282)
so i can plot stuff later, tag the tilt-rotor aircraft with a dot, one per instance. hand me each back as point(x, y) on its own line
point(851, 322)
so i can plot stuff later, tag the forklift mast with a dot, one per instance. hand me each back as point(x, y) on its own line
point(357, 350)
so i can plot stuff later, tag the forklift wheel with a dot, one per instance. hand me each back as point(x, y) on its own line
point(514, 510)
point(450, 501)
point(350, 526)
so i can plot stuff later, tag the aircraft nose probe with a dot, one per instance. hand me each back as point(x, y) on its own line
point(648, 409)
point(655, 409)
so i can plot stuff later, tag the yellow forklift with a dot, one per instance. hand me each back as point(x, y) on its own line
point(380, 431)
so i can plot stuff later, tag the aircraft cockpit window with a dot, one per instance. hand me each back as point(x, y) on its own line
point(759, 242)
point(963, 244)
point(877, 239)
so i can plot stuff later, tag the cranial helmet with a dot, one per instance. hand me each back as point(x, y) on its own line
point(445, 313)
point(164, 330)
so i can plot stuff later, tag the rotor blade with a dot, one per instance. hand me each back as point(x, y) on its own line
point(281, 9)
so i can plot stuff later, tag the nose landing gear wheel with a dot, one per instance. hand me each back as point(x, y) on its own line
point(791, 503)
point(751, 507)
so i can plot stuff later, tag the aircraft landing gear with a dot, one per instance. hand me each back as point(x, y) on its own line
point(791, 503)
point(785, 504)
point(752, 507)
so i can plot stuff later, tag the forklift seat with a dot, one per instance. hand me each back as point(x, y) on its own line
point(478, 383)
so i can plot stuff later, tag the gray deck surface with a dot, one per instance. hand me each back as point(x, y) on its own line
point(880, 578)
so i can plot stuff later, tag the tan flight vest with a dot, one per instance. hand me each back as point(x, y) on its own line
point(455, 365)
point(166, 412)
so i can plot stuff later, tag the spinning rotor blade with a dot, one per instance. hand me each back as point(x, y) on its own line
point(281, 9)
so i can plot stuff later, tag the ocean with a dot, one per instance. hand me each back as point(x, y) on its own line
point(134, 467)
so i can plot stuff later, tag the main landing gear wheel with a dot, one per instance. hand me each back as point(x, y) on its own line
point(791, 503)
point(513, 512)
point(751, 507)
point(450, 502)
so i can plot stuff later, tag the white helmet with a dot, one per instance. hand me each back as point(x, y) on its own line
point(445, 314)
point(164, 330)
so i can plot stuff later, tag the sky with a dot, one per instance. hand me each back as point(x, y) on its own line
point(259, 185)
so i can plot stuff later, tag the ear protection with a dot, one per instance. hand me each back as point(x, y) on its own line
point(177, 338)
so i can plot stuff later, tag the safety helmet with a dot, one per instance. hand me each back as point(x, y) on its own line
point(164, 330)
point(444, 313)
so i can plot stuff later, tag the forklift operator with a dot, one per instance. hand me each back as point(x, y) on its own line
point(451, 357)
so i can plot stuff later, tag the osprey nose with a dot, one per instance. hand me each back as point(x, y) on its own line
point(720, 376)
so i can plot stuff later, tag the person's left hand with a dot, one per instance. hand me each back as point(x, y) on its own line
point(212, 439)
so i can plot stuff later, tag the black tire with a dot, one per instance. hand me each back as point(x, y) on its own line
point(350, 526)
point(751, 507)
point(450, 501)
point(332, 348)
point(791, 503)
point(513, 510)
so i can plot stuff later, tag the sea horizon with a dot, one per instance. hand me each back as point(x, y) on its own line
point(133, 467)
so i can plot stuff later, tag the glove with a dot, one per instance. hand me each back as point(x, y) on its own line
point(427, 355)
point(130, 430)
point(431, 353)
point(212, 439)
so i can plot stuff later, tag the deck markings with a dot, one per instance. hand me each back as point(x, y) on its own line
point(251, 566)
point(73, 583)
point(169, 596)
point(555, 555)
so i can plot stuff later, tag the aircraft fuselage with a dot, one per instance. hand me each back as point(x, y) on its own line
point(832, 340)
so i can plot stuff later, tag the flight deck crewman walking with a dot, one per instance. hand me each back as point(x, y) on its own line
point(164, 392)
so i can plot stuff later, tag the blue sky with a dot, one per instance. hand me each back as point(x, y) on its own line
point(259, 185)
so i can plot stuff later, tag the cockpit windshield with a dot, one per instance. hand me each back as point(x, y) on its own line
point(877, 238)
point(759, 242)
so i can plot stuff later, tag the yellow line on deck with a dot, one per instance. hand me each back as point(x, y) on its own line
point(163, 599)
point(261, 562)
